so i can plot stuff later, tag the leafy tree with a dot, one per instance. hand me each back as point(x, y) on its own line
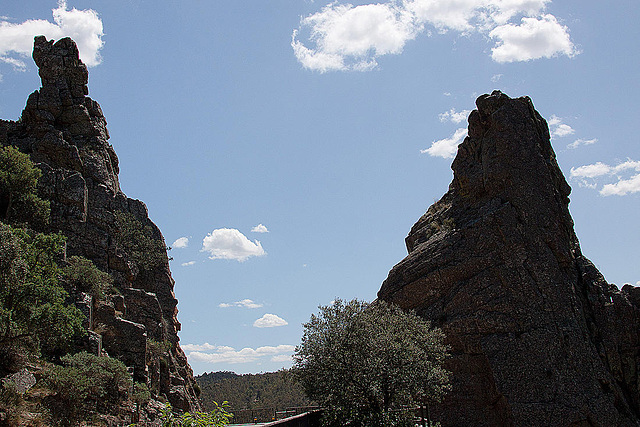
point(83, 275)
point(363, 360)
point(32, 300)
point(86, 383)
point(19, 202)
point(139, 243)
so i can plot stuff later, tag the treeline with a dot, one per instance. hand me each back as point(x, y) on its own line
point(251, 391)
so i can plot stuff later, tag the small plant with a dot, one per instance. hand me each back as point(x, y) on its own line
point(158, 348)
point(218, 417)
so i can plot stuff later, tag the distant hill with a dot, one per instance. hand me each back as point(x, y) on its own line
point(251, 391)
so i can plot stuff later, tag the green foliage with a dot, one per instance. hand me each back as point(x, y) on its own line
point(32, 300)
point(18, 185)
point(86, 383)
point(363, 360)
point(141, 394)
point(83, 275)
point(158, 348)
point(217, 417)
point(139, 243)
point(249, 391)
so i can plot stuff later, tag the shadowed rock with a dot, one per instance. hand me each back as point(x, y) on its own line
point(65, 134)
point(538, 336)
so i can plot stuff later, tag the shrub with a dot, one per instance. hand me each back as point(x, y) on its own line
point(139, 243)
point(82, 274)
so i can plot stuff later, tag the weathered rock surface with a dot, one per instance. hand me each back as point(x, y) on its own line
point(538, 336)
point(65, 133)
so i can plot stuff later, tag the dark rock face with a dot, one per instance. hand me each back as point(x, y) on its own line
point(538, 336)
point(65, 133)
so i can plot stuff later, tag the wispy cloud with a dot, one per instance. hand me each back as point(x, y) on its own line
point(223, 354)
point(229, 243)
point(586, 176)
point(187, 264)
point(260, 229)
point(448, 147)
point(347, 37)
point(558, 129)
point(270, 321)
point(453, 116)
point(83, 26)
point(245, 303)
point(578, 142)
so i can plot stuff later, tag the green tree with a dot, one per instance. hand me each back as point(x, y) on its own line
point(364, 360)
point(139, 242)
point(32, 301)
point(85, 383)
point(83, 275)
point(19, 202)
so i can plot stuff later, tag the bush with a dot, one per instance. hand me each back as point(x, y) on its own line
point(139, 243)
point(218, 417)
point(83, 275)
point(86, 383)
point(18, 181)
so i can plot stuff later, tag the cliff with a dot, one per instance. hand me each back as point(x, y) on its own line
point(538, 336)
point(65, 134)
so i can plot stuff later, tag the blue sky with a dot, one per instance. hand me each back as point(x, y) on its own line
point(287, 146)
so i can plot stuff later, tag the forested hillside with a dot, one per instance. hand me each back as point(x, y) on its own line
point(251, 391)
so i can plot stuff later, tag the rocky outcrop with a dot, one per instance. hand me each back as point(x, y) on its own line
point(65, 134)
point(538, 336)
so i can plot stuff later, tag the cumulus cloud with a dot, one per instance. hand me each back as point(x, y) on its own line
point(270, 321)
point(223, 354)
point(578, 142)
point(83, 26)
point(453, 116)
point(347, 37)
point(229, 243)
point(624, 185)
point(534, 38)
point(187, 264)
point(181, 242)
point(259, 229)
point(448, 147)
point(245, 303)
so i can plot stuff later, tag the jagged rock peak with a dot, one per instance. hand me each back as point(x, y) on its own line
point(538, 336)
point(59, 65)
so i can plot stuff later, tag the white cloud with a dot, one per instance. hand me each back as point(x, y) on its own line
point(558, 129)
point(83, 26)
point(270, 321)
point(453, 116)
point(229, 243)
point(534, 38)
point(245, 303)
point(187, 264)
point(181, 242)
point(496, 77)
point(621, 187)
point(579, 142)
point(224, 354)
point(259, 229)
point(448, 147)
point(347, 37)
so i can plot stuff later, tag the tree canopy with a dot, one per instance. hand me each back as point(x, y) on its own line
point(18, 183)
point(364, 360)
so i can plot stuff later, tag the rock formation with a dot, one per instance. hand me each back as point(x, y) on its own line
point(65, 134)
point(538, 336)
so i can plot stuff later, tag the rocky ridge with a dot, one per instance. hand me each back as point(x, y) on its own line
point(538, 336)
point(65, 134)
